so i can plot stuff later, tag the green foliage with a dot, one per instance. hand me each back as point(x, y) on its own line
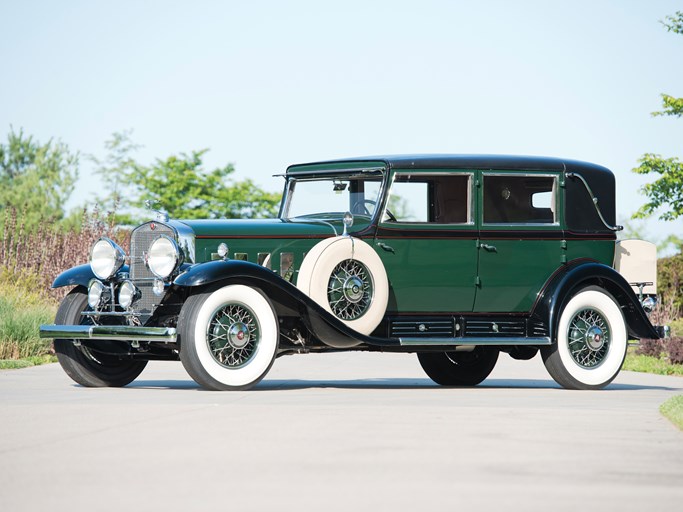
point(670, 281)
point(650, 364)
point(179, 185)
point(36, 178)
point(22, 311)
point(673, 410)
point(182, 187)
point(672, 107)
point(666, 191)
point(674, 23)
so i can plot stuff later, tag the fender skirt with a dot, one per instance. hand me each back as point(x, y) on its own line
point(573, 277)
point(322, 324)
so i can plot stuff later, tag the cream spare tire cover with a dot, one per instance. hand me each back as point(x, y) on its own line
point(347, 278)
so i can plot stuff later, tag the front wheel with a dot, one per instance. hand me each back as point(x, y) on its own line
point(590, 344)
point(459, 368)
point(228, 337)
point(87, 366)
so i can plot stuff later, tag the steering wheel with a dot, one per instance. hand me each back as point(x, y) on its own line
point(360, 207)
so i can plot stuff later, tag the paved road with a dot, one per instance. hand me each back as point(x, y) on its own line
point(338, 432)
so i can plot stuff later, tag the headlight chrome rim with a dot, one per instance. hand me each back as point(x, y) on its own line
point(106, 258)
point(164, 257)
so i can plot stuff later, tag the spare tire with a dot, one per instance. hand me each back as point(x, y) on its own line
point(347, 278)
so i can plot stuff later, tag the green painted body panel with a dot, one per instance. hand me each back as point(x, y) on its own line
point(599, 250)
point(511, 278)
point(427, 275)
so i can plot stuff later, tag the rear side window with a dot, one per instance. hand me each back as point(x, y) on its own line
point(518, 199)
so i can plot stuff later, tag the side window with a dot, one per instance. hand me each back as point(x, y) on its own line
point(515, 199)
point(438, 199)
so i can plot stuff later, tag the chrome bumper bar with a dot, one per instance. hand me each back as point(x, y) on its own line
point(109, 332)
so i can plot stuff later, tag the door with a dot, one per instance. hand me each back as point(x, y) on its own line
point(520, 244)
point(427, 241)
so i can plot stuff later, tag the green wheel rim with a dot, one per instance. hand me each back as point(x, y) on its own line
point(589, 338)
point(350, 290)
point(232, 335)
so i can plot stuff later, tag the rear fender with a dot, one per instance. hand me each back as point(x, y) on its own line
point(575, 277)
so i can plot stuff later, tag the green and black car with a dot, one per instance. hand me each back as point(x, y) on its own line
point(456, 258)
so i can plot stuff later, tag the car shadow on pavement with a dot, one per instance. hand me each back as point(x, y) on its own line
point(388, 384)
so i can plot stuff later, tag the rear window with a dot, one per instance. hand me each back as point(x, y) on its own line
point(519, 199)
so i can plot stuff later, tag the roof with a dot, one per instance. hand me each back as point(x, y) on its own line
point(461, 161)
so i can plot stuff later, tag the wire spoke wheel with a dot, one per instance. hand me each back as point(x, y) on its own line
point(588, 338)
point(232, 335)
point(350, 290)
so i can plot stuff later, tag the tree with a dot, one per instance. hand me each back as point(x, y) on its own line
point(36, 178)
point(667, 190)
point(179, 185)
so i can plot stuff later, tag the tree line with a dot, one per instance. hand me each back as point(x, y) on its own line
point(38, 178)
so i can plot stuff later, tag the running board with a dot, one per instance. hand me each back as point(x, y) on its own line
point(416, 342)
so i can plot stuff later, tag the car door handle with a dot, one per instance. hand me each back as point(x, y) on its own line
point(489, 248)
point(386, 247)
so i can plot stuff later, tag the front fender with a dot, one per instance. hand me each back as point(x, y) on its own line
point(80, 275)
point(287, 297)
point(575, 276)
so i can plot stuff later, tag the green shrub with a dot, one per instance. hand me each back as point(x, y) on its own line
point(22, 311)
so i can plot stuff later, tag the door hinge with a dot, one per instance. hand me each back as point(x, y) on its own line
point(477, 282)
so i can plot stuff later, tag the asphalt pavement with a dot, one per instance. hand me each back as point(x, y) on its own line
point(338, 432)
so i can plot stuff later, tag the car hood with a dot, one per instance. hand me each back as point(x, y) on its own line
point(264, 228)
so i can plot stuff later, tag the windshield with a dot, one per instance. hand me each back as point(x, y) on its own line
point(331, 197)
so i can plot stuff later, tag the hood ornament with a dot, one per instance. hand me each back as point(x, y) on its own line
point(159, 215)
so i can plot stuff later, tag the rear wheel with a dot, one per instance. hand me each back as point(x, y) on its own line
point(459, 368)
point(591, 342)
point(87, 366)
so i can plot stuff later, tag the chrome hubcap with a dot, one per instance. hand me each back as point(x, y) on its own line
point(350, 290)
point(238, 335)
point(589, 338)
point(233, 335)
point(353, 289)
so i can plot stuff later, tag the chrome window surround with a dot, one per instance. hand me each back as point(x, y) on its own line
point(470, 202)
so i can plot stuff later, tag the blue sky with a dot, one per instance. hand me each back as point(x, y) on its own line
point(267, 84)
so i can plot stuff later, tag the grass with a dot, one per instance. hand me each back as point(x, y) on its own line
point(673, 410)
point(22, 309)
point(15, 364)
point(649, 364)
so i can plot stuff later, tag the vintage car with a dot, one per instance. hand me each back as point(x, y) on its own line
point(456, 258)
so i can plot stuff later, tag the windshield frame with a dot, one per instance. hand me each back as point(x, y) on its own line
point(342, 174)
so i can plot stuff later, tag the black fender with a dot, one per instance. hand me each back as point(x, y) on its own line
point(287, 299)
point(80, 275)
point(575, 276)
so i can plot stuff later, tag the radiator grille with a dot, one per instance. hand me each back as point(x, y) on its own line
point(140, 240)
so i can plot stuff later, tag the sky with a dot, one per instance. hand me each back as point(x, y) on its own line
point(265, 84)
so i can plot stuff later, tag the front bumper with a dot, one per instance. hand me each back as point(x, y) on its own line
point(110, 332)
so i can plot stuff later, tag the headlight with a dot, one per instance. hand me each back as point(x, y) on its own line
point(128, 293)
point(95, 292)
point(163, 257)
point(106, 258)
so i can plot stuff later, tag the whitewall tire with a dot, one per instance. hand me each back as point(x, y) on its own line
point(229, 337)
point(347, 278)
point(591, 342)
